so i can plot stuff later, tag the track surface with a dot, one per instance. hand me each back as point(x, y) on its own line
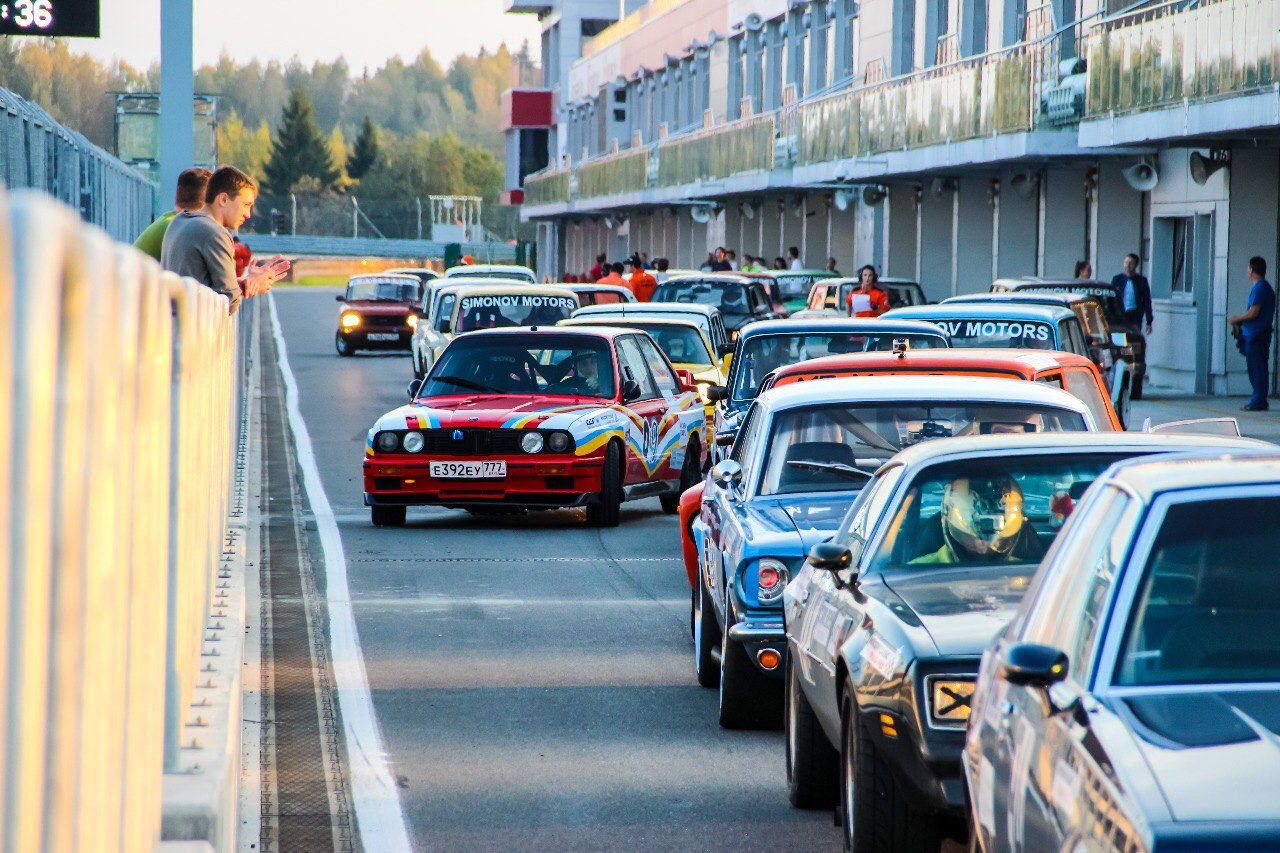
point(532, 676)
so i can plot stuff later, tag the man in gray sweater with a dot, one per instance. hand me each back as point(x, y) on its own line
point(198, 243)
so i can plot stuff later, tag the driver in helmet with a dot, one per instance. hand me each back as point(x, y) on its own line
point(984, 521)
point(586, 374)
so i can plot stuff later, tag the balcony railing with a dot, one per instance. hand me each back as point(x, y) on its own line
point(550, 186)
point(743, 146)
point(616, 173)
point(1165, 54)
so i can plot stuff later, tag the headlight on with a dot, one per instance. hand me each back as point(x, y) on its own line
point(414, 442)
point(531, 442)
point(703, 387)
point(387, 442)
point(413, 321)
point(771, 580)
point(350, 321)
point(950, 700)
point(559, 442)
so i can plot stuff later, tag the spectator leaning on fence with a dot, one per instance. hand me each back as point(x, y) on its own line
point(189, 196)
point(198, 243)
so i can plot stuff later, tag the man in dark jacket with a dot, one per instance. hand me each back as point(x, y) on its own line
point(1135, 293)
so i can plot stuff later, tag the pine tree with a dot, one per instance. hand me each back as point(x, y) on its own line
point(300, 150)
point(365, 152)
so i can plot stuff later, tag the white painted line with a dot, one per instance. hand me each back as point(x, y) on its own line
point(374, 794)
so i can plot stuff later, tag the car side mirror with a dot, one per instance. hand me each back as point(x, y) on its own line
point(340, 298)
point(1033, 665)
point(725, 349)
point(830, 557)
point(630, 391)
point(415, 385)
point(1119, 339)
point(688, 382)
point(726, 438)
point(716, 393)
point(727, 474)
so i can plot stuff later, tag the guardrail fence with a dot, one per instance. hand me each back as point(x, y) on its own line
point(118, 388)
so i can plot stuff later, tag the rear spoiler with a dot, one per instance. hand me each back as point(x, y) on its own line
point(1196, 426)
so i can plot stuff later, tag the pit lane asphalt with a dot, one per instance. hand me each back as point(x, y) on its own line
point(531, 676)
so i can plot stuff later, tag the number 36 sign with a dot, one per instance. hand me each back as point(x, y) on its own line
point(49, 18)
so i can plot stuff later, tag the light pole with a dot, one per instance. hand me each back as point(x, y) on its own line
point(177, 96)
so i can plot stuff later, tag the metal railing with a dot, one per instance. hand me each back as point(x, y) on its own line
point(720, 152)
point(626, 171)
point(550, 186)
point(40, 153)
point(118, 387)
point(1170, 52)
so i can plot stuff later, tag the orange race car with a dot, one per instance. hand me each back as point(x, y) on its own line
point(1073, 373)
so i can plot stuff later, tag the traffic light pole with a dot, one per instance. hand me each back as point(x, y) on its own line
point(177, 96)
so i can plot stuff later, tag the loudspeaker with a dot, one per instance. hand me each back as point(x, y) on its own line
point(871, 196)
point(753, 22)
point(702, 213)
point(1025, 184)
point(748, 210)
point(842, 199)
point(1143, 176)
point(1202, 167)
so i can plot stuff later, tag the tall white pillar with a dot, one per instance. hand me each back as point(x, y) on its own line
point(177, 96)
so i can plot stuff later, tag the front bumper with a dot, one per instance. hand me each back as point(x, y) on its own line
point(757, 633)
point(359, 337)
point(545, 481)
point(929, 766)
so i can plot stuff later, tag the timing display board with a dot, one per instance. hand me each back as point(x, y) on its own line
point(49, 18)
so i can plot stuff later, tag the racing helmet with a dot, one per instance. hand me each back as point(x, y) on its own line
point(983, 516)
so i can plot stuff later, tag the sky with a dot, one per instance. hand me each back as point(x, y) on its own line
point(367, 32)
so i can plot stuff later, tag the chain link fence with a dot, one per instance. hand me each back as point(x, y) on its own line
point(334, 215)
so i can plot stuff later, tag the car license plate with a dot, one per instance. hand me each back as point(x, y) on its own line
point(383, 336)
point(487, 470)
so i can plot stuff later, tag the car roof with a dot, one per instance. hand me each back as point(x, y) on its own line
point(1024, 361)
point(982, 311)
point(1026, 297)
point(1073, 443)
point(468, 268)
point(826, 274)
point(382, 276)
point(514, 287)
point(941, 389)
point(852, 325)
point(1148, 478)
point(624, 308)
point(588, 286)
point(710, 277)
point(413, 271)
point(655, 321)
point(590, 331)
point(852, 279)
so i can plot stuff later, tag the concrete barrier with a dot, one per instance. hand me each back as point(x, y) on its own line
point(118, 385)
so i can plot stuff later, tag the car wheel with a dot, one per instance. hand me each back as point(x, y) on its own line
point(813, 764)
point(876, 811)
point(607, 509)
point(388, 516)
point(1125, 397)
point(749, 699)
point(706, 638)
point(688, 478)
point(1135, 393)
point(343, 346)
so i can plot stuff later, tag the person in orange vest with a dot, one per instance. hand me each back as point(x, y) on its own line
point(868, 300)
point(641, 283)
point(614, 276)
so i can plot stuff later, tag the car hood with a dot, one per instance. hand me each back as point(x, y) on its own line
point(495, 411)
point(962, 609)
point(813, 517)
point(1213, 754)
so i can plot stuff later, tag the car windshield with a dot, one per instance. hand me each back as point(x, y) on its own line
point(838, 447)
point(760, 355)
point(682, 344)
point(514, 275)
point(1208, 609)
point(998, 334)
point(730, 297)
point(384, 289)
point(577, 365)
point(999, 510)
point(495, 311)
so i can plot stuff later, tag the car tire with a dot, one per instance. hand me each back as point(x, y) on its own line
point(1125, 397)
point(688, 478)
point(343, 346)
point(1135, 393)
point(606, 511)
point(876, 810)
point(706, 639)
point(813, 764)
point(388, 516)
point(749, 699)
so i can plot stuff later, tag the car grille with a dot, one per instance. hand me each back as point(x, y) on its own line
point(473, 442)
point(380, 321)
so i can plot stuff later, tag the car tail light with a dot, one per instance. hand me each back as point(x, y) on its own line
point(771, 580)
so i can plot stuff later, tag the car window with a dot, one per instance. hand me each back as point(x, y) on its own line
point(816, 294)
point(1053, 380)
point(521, 365)
point(1072, 340)
point(445, 311)
point(662, 374)
point(633, 367)
point(1207, 610)
point(719, 335)
point(983, 512)
point(861, 520)
point(1082, 384)
point(682, 344)
point(760, 355)
point(1068, 605)
point(606, 297)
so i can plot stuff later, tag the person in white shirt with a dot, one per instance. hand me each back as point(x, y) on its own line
point(794, 254)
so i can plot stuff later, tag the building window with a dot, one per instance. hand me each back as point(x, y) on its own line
point(1182, 261)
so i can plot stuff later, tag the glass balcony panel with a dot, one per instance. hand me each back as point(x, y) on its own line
point(618, 173)
point(547, 187)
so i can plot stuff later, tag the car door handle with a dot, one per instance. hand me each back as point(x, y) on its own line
point(1008, 708)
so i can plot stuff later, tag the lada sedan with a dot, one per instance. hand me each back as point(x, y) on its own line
point(513, 272)
point(886, 622)
point(1134, 701)
point(1002, 326)
point(801, 457)
point(378, 312)
point(738, 300)
point(537, 419)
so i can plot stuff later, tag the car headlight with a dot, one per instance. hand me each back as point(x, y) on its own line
point(531, 442)
point(771, 580)
point(387, 441)
point(703, 387)
point(950, 701)
point(350, 321)
point(559, 442)
point(413, 321)
point(414, 442)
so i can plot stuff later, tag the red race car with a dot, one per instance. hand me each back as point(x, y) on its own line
point(539, 418)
